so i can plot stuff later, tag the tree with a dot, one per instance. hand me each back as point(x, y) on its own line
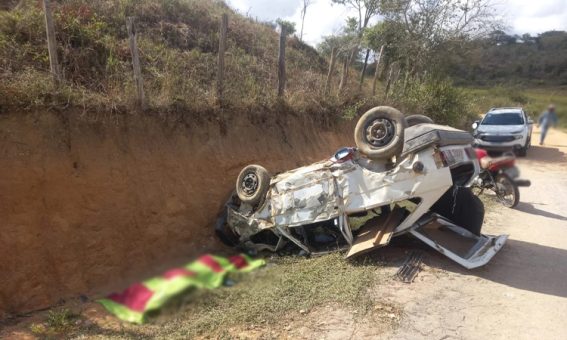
point(306, 4)
point(366, 9)
point(339, 47)
point(289, 26)
point(432, 30)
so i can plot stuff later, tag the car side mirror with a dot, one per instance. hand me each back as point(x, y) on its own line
point(475, 125)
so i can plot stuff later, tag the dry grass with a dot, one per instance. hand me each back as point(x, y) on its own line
point(178, 46)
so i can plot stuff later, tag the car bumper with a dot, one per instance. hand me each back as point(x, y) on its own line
point(499, 146)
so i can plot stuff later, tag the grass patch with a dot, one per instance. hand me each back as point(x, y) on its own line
point(287, 285)
point(267, 297)
point(56, 322)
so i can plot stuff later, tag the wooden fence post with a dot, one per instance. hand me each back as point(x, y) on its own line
point(363, 73)
point(390, 76)
point(51, 43)
point(344, 75)
point(281, 62)
point(377, 71)
point(331, 70)
point(350, 59)
point(222, 48)
point(138, 80)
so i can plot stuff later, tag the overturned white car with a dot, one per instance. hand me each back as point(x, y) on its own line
point(398, 180)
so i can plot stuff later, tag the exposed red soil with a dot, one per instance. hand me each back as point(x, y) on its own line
point(87, 207)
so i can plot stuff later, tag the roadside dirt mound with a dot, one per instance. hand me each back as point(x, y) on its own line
point(88, 206)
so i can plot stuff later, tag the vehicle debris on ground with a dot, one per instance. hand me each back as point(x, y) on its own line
point(411, 267)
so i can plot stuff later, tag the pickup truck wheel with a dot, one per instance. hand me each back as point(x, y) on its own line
point(252, 185)
point(462, 208)
point(418, 119)
point(379, 133)
point(523, 151)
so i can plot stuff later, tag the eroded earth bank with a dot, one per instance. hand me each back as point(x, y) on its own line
point(88, 204)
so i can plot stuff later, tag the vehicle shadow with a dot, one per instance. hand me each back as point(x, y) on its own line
point(522, 265)
point(531, 209)
point(546, 154)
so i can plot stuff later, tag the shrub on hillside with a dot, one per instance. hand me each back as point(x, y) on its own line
point(436, 98)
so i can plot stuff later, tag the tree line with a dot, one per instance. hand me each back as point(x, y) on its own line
point(411, 38)
point(512, 59)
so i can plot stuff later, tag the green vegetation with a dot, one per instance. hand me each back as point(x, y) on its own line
point(178, 42)
point(57, 321)
point(534, 101)
point(512, 60)
point(436, 98)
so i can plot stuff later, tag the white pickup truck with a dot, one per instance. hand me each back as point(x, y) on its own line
point(504, 129)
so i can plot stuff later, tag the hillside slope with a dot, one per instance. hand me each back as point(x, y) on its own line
point(178, 43)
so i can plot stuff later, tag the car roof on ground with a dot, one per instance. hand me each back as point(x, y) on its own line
point(506, 110)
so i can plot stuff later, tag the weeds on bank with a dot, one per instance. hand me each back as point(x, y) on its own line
point(282, 289)
point(56, 322)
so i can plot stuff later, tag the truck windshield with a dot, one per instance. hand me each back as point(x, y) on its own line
point(510, 118)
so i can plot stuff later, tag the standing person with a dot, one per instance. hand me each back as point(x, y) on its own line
point(546, 120)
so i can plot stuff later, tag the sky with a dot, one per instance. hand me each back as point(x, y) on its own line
point(323, 18)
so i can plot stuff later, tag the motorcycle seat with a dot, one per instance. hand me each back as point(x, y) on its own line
point(488, 162)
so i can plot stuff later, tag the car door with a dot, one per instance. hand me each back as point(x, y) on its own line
point(457, 243)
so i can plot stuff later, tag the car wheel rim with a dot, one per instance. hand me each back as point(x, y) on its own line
point(250, 184)
point(380, 132)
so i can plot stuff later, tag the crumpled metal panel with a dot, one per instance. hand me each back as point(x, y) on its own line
point(304, 196)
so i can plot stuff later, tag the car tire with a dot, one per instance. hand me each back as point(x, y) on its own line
point(462, 208)
point(418, 119)
point(523, 152)
point(379, 133)
point(252, 185)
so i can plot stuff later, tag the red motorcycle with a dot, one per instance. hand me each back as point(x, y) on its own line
point(501, 176)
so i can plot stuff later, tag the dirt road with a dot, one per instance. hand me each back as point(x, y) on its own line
point(522, 293)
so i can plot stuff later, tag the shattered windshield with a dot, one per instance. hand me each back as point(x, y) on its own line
point(510, 118)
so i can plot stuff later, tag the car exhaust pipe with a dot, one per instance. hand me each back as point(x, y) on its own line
point(523, 182)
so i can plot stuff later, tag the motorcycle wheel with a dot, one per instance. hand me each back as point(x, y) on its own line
point(507, 191)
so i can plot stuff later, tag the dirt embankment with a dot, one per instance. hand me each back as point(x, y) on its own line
point(88, 206)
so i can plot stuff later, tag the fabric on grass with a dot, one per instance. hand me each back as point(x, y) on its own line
point(208, 272)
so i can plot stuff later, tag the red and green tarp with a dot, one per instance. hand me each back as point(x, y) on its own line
point(207, 272)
